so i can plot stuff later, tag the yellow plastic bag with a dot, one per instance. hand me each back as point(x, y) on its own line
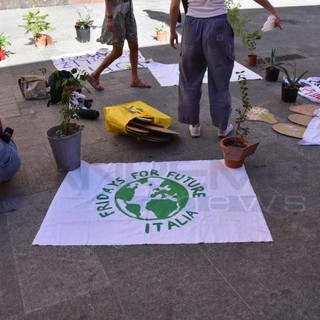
point(118, 116)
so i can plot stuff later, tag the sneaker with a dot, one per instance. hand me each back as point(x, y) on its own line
point(224, 133)
point(195, 130)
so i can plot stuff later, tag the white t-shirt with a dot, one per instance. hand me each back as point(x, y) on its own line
point(206, 8)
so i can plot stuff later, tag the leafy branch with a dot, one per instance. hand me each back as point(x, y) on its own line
point(241, 129)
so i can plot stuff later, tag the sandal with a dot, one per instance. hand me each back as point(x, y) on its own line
point(140, 84)
point(95, 83)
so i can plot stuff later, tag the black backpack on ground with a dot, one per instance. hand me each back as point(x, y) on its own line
point(56, 91)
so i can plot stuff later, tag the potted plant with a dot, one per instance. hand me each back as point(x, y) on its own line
point(250, 41)
point(272, 67)
point(290, 85)
point(237, 148)
point(161, 33)
point(83, 25)
point(65, 138)
point(4, 42)
point(36, 23)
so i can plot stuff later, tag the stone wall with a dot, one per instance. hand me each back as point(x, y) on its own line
point(14, 4)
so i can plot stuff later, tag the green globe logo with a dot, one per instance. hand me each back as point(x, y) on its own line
point(153, 198)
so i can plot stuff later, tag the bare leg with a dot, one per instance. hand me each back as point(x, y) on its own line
point(135, 80)
point(113, 55)
point(133, 46)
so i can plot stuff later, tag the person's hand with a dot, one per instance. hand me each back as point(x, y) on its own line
point(173, 40)
point(277, 23)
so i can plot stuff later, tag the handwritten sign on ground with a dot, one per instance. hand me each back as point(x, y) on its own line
point(90, 61)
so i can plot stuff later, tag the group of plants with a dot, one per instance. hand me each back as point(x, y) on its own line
point(36, 23)
point(238, 147)
point(291, 80)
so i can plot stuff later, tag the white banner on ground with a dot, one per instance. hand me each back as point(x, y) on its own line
point(168, 74)
point(90, 61)
point(154, 203)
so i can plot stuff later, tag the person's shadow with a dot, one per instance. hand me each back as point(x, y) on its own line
point(160, 16)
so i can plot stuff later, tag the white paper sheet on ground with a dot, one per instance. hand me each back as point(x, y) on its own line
point(154, 203)
point(89, 61)
point(312, 134)
point(168, 74)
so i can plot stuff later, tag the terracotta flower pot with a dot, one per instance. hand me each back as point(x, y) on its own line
point(252, 60)
point(2, 54)
point(49, 40)
point(41, 41)
point(162, 36)
point(235, 150)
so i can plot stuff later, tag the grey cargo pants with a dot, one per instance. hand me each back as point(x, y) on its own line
point(206, 43)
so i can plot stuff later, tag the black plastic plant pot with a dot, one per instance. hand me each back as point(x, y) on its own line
point(272, 74)
point(83, 34)
point(289, 94)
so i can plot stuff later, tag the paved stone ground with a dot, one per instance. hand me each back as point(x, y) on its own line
point(239, 281)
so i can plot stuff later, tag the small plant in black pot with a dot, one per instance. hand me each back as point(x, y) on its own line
point(272, 67)
point(83, 25)
point(237, 148)
point(291, 84)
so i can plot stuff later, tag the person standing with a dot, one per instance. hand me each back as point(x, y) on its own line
point(119, 25)
point(207, 43)
point(9, 157)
